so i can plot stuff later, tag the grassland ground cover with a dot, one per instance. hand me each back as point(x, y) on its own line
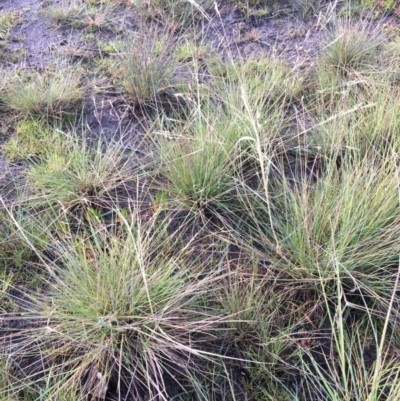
point(199, 200)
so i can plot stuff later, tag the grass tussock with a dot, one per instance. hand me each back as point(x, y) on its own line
point(148, 68)
point(260, 82)
point(8, 20)
point(198, 163)
point(350, 46)
point(78, 173)
point(174, 14)
point(44, 94)
point(342, 226)
point(80, 14)
point(123, 313)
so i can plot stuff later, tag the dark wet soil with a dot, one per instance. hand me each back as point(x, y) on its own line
point(35, 38)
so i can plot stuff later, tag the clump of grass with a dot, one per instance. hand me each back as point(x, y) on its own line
point(363, 115)
point(77, 173)
point(256, 95)
point(198, 157)
point(258, 82)
point(173, 13)
point(8, 20)
point(354, 362)
point(198, 169)
point(65, 13)
point(245, 103)
point(148, 68)
point(81, 14)
point(123, 314)
point(351, 46)
point(345, 224)
point(44, 94)
point(189, 50)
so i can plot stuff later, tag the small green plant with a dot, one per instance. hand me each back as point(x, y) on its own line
point(44, 94)
point(8, 20)
point(160, 201)
point(88, 37)
point(30, 139)
point(22, 235)
point(191, 51)
point(111, 47)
